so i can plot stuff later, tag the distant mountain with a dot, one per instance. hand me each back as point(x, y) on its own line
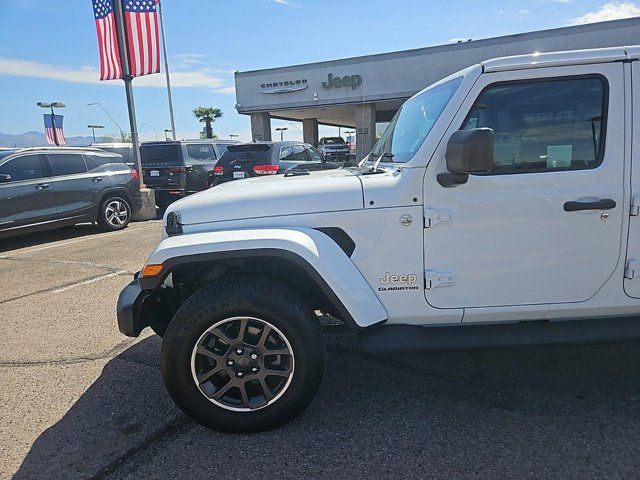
point(37, 139)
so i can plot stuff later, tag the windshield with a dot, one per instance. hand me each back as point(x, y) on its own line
point(334, 141)
point(5, 153)
point(413, 122)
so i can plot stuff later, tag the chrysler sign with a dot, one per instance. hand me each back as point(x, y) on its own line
point(285, 86)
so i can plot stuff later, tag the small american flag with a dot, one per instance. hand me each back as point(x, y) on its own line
point(110, 65)
point(49, 121)
point(141, 20)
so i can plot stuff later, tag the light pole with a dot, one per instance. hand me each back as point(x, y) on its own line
point(233, 135)
point(281, 130)
point(93, 130)
point(112, 119)
point(53, 117)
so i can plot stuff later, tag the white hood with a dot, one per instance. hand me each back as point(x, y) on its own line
point(321, 191)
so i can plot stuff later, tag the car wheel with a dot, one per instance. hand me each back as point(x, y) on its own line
point(243, 356)
point(114, 214)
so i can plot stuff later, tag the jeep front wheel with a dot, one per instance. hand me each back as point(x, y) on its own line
point(243, 356)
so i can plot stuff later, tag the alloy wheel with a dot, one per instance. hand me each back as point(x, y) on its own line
point(116, 213)
point(242, 364)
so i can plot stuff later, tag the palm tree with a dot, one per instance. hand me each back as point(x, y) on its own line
point(207, 115)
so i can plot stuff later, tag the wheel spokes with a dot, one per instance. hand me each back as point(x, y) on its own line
point(242, 363)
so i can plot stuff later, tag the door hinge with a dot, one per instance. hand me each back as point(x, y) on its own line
point(635, 206)
point(632, 270)
point(434, 217)
point(434, 279)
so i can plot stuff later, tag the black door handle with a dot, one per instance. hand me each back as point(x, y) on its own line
point(605, 204)
point(97, 179)
point(42, 186)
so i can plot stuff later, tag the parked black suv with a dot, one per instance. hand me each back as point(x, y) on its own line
point(267, 158)
point(47, 188)
point(177, 169)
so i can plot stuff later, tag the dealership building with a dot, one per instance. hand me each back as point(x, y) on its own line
point(360, 92)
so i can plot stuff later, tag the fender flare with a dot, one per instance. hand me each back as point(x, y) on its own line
point(313, 251)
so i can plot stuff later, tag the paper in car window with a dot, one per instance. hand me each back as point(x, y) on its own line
point(559, 156)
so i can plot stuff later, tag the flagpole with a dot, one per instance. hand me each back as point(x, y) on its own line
point(128, 85)
point(166, 71)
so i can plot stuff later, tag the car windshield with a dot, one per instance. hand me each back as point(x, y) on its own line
point(410, 126)
point(334, 141)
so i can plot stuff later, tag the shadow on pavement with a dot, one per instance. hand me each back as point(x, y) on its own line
point(49, 236)
point(562, 412)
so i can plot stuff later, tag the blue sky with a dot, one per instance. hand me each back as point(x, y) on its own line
point(48, 50)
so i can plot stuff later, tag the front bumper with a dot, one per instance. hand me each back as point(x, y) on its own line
point(138, 308)
point(129, 307)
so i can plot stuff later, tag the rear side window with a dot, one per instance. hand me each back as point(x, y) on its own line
point(201, 151)
point(95, 161)
point(293, 153)
point(67, 163)
point(26, 167)
point(543, 126)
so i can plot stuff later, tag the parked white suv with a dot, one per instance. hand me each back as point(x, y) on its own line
point(500, 207)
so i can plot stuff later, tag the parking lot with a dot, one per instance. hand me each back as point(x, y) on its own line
point(79, 400)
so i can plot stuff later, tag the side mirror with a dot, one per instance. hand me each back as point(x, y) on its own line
point(470, 151)
point(4, 178)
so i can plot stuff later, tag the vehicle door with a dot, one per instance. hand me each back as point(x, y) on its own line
point(544, 225)
point(632, 272)
point(292, 156)
point(201, 160)
point(77, 190)
point(26, 193)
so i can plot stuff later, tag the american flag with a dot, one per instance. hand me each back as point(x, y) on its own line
point(141, 20)
point(110, 65)
point(49, 120)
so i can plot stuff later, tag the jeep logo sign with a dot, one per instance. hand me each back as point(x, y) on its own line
point(353, 81)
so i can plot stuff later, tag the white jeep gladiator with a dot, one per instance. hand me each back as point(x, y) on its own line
point(500, 207)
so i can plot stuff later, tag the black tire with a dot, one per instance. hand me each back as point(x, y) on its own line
point(107, 221)
point(228, 299)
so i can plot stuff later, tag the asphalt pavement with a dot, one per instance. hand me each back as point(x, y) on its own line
point(79, 400)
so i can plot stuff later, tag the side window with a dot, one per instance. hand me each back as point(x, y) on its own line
point(98, 160)
point(201, 151)
point(26, 167)
point(314, 155)
point(293, 153)
point(543, 126)
point(67, 163)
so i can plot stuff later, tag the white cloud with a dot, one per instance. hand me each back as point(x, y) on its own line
point(515, 14)
point(286, 2)
point(200, 78)
point(608, 11)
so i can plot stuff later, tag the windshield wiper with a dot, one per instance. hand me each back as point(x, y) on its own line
point(382, 155)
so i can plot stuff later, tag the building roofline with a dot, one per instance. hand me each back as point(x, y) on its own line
point(570, 30)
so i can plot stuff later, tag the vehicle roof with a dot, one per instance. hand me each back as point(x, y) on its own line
point(272, 143)
point(60, 149)
point(191, 140)
point(112, 144)
point(560, 59)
